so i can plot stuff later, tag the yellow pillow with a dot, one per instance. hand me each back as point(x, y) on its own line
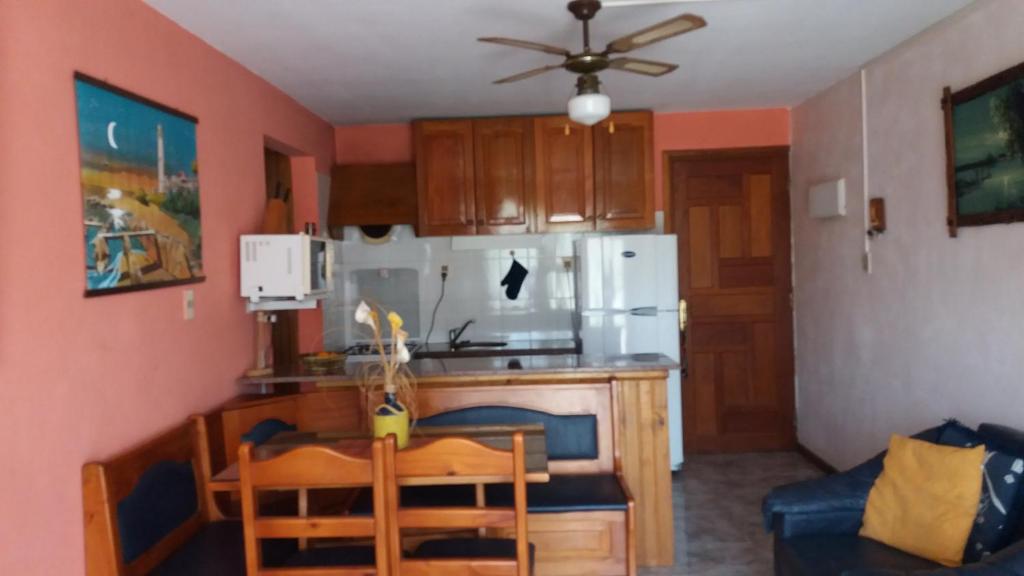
point(926, 498)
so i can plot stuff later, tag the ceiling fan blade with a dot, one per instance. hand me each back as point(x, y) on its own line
point(528, 74)
point(658, 32)
point(526, 44)
point(618, 3)
point(645, 67)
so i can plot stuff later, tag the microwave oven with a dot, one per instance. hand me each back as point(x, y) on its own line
point(286, 266)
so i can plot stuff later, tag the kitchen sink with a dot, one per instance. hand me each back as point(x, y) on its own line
point(481, 349)
point(470, 344)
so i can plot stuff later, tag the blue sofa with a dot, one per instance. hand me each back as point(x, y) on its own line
point(815, 524)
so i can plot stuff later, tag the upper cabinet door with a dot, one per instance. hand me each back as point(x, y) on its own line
point(503, 149)
point(564, 174)
point(623, 172)
point(445, 177)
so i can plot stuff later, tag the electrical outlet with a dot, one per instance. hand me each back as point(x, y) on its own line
point(567, 263)
point(444, 269)
point(189, 304)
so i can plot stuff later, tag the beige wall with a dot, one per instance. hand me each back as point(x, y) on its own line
point(937, 329)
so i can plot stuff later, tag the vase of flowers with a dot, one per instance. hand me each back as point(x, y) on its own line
point(389, 373)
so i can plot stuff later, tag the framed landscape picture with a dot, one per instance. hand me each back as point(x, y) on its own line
point(140, 191)
point(985, 151)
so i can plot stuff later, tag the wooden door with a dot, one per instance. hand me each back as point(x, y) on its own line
point(730, 210)
point(564, 167)
point(503, 154)
point(284, 336)
point(624, 172)
point(445, 177)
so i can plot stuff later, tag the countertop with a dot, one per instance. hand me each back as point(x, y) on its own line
point(351, 374)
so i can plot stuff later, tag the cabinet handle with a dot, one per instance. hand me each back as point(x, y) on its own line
point(611, 127)
point(683, 315)
point(568, 131)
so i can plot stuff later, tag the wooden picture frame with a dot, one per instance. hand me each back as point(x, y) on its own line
point(139, 180)
point(876, 216)
point(984, 132)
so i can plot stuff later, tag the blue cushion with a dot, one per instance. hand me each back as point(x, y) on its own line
point(1003, 438)
point(565, 493)
point(1000, 505)
point(420, 497)
point(266, 429)
point(331, 556)
point(219, 550)
point(834, 555)
point(569, 437)
point(470, 548)
point(163, 499)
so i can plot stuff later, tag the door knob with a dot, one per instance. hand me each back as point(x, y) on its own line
point(682, 316)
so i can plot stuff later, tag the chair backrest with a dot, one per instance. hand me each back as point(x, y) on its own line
point(455, 460)
point(578, 418)
point(312, 467)
point(144, 503)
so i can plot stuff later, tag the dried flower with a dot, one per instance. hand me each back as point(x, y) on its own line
point(395, 320)
point(390, 372)
point(366, 315)
point(401, 351)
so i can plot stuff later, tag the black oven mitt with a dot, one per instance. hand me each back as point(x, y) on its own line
point(513, 281)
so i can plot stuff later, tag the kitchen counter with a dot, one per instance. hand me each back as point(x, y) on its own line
point(426, 370)
point(627, 396)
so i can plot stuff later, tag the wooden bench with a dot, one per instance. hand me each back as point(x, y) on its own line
point(582, 521)
point(147, 511)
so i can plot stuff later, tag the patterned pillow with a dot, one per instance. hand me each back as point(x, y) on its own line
point(1001, 496)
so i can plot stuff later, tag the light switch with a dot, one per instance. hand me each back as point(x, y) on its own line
point(189, 304)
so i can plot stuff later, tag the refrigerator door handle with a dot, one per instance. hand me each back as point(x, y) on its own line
point(682, 315)
point(644, 311)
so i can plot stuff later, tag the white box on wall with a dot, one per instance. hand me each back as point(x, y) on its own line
point(828, 199)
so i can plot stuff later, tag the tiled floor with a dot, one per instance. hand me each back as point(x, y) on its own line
point(717, 503)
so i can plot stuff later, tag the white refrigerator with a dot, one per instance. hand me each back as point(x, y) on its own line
point(628, 303)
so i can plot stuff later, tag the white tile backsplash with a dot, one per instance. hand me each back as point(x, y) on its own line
point(541, 312)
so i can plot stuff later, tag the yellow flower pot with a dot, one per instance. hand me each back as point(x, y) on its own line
point(393, 422)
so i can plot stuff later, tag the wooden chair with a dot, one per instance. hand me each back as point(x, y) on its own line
point(307, 468)
point(458, 461)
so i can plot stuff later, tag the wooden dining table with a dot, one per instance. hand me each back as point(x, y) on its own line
point(359, 444)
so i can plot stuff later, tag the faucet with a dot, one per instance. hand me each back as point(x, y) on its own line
point(455, 333)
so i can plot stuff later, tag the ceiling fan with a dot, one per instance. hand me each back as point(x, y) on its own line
point(589, 106)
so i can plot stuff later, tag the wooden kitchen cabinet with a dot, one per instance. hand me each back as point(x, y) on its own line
point(624, 172)
point(445, 177)
point(564, 172)
point(372, 194)
point(542, 174)
point(503, 165)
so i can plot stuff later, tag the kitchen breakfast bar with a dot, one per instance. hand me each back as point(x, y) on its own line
point(607, 507)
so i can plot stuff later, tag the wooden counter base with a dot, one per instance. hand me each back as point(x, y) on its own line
point(634, 401)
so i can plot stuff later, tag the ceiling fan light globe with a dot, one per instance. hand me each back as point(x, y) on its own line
point(589, 109)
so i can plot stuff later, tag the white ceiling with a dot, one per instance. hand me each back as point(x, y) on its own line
point(359, 61)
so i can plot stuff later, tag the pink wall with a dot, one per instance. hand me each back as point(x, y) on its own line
point(715, 129)
point(85, 378)
point(372, 143)
point(935, 330)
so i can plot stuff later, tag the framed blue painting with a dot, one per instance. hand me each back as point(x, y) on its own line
point(140, 191)
point(985, 151)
